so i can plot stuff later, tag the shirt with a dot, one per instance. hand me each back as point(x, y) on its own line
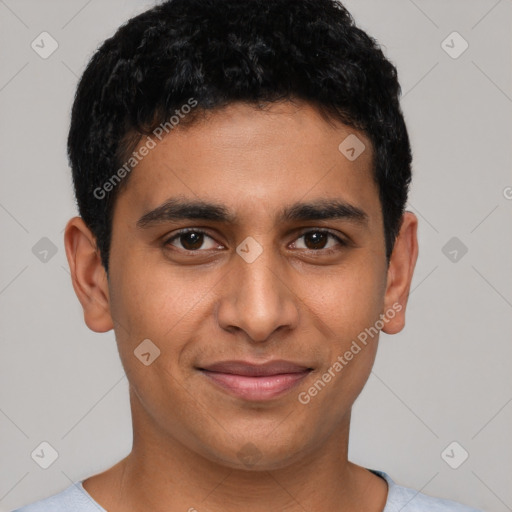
point(400, 499)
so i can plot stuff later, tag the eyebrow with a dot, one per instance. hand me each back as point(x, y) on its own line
point(175, 209)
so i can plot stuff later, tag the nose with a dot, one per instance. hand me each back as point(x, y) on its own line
point(257, 299)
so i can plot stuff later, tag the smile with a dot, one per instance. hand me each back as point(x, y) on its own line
point(256, 382)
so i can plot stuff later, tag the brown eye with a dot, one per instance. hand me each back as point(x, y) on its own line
point(190, 240)
point(318, 240)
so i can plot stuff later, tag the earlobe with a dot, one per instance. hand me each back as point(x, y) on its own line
point(88, 275)
point(400, 273)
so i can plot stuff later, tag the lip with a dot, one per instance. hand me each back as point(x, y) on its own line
point(258, 382)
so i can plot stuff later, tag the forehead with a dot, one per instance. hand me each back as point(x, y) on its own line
point(251, 158)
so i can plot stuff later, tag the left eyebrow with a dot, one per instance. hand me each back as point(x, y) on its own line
point(180, 209)
point(324, 209)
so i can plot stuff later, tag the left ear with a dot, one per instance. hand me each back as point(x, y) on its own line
point(400, 272)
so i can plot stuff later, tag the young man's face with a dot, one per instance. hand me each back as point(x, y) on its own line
point(260, 286)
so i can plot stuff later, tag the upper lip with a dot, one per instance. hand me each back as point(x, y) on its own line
point(255, 370)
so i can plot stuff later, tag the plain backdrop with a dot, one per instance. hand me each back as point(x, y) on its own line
point(446, 378)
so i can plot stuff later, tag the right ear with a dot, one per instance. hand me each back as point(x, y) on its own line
point(88, 275)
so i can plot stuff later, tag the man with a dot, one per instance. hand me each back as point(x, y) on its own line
point(241, 169)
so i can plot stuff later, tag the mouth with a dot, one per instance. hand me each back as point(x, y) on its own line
point(256, 382)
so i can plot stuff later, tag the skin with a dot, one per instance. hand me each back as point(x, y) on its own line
point(295, 302)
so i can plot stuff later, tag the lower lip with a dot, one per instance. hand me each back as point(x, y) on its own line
point(256, 388)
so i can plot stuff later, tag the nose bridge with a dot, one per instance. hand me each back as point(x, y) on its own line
point(258, 281)
point(256, 299)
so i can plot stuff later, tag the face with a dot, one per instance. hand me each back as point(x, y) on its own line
point(250, 251)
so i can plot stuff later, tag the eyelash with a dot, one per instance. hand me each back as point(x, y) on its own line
point(182, 232)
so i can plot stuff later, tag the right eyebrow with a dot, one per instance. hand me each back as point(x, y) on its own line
point(178, 209)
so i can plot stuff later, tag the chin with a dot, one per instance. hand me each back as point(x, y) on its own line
point(259, 454)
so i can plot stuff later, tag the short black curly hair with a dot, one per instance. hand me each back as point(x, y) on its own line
point(223, 51)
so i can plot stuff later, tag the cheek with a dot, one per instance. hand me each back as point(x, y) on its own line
point(150, 306)
point(346, 307)
point(150, 298)
point(347, 301)
point(160, 303)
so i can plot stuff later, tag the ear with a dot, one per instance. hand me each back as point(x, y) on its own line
point(400, 272)
point(88, 275)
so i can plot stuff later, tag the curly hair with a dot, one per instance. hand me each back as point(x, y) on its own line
point(222, 51)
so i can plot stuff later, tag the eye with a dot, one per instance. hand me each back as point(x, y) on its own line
point(317, 239)
point(191, 240)
point(194, 239)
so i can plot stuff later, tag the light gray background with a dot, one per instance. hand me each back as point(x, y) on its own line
point(445, 378)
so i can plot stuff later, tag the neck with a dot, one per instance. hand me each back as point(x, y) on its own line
point(164, 475)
